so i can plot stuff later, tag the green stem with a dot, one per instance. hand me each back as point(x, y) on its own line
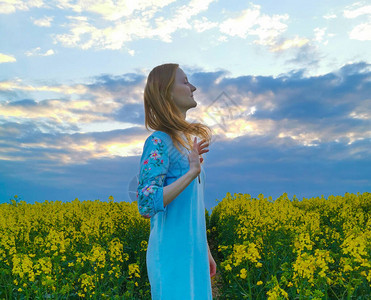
point(349, 295)
point(235, 279)
point(300, 289)
point(249, 282)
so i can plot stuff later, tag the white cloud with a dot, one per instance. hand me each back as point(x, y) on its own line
point(252, 22)
point(85, 35)
point(114, 10)
point(203, 24)
point(49, 52)
point(37, 52)
point(44, 22)
point(361, 32)
point(362, 111)
point(319, 34)
point(223, 38)
point(165, 27)
point(290, 43)
point(353, 11)
point(84, 111)
point(10, 6)
point(63, 89)
point(330, 16)
point(4, 58)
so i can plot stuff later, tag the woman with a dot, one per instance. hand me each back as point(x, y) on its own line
point(171, 187)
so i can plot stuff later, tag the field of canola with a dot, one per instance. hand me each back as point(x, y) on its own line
point(264, 249)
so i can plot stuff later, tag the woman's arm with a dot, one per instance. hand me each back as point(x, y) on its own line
point(154, 165)
point(171, 191)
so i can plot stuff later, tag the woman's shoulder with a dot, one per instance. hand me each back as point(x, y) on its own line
point(159, 133)
point(160, 136)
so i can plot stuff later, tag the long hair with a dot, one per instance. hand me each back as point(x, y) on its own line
point(162, 114)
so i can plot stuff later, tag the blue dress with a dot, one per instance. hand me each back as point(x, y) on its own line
point(177, 254)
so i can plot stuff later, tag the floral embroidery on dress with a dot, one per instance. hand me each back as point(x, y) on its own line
point(151, 178)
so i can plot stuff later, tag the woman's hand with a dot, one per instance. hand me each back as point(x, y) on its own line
point(193, 157)
point(212, 265)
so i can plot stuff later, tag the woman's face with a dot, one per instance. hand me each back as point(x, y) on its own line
point(182, 93)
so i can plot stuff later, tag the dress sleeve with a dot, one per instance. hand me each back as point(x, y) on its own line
point(154, 166)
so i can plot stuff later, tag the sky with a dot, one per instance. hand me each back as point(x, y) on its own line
point(285, 87)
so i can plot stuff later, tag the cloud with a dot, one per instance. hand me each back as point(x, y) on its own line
point(320, 34)
point(251, 22)
point(37, 52)
point(8, 7)
point(18, 84)
point(356, 10)
point(309, 111)
point(43, 22)
point(203, 24)
point(126, 23)
point(83, 34)
point(307, 56)
point(276, 132)
point(271, 168)
point(330, 16)
point(290, 43)
point(56, 110)
point(58, 144)
point(107, 99)
point(114, 10)
point(4, 58)
point(290, 108)
point(361, 32)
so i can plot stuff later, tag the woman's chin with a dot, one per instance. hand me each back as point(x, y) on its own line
point(192, 105)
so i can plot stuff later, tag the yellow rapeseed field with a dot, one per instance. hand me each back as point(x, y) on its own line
point(288, 249)
point(88, 249)
point(284, 249)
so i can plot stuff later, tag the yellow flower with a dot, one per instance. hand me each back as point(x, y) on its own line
point(347, 268)
point(243, 274)
point(259, 282)
point(134, 270)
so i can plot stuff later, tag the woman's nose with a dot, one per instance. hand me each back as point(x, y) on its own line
point(193, 88)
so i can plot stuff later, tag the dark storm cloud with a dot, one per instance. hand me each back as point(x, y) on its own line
point(132, 113)
point(333, 106)
point(24, 102)
point(206, 80)
point(28, 141)
point(10, 95)
point(122, 88)
point(314, 138)
point(306, 56)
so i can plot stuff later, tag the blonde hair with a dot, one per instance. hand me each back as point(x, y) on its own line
point(162, 114)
